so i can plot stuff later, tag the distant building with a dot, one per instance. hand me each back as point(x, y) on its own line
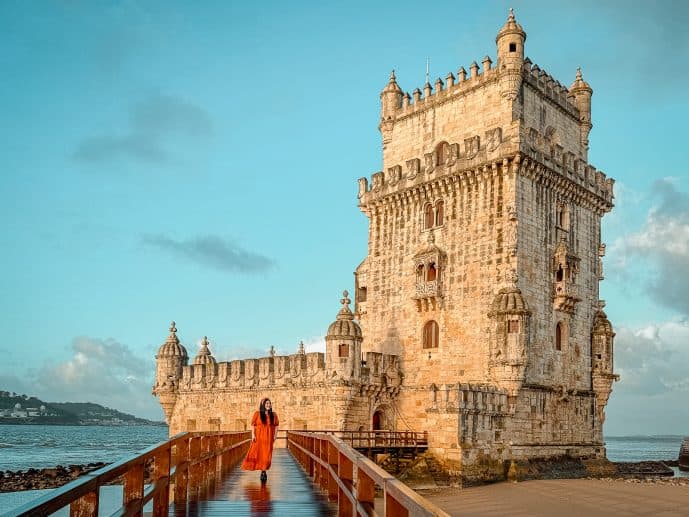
point(476, 311)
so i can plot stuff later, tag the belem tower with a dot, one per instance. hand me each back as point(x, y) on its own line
point(476, 314)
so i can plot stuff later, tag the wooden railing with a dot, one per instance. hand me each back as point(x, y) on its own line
point(181, 469)
point(379, 439)
point(351, 479)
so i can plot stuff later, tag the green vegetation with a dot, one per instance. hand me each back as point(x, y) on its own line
point(23, 409)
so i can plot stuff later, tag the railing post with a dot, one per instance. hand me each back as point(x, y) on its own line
point(345, 473)
point(181, 470)
point(161, 474)
point(393, 508)
point(365, 489)
point(333, 462)
point(195, 468)
point(133, 489)
point(85, 506)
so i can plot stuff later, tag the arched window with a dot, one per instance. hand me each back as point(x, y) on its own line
point(439, 213)
point(430, 334)
point(558, 336)
point(559, 275)
point(431, 273)
point(428, 216)
point(419, 273)
point(441, 152)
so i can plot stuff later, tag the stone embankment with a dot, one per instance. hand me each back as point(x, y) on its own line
point(35, 479)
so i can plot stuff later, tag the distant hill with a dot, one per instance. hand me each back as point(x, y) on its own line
point(23, 409)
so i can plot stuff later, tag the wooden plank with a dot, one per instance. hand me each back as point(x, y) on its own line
point(85, 506)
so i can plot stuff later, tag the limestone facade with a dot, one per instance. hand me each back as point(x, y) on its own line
point(478, 308)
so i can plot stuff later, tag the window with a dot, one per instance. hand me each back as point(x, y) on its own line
point(428, 216)
point(558, 336)
point(513, 47)
point(559, 275)
point(430, 334)
point(439, 213)
point(512, 326)
point(431, 274)
point(344, 350)
point(362, 294)
point(419, 273)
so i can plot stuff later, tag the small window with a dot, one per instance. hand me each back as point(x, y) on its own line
point(362, 294)
point(558, 336)
point(439, 213)
point(513, 326)
point(430, 334)
point(513, 47)
point(419, 273)
point(431, 274)
point(344, 350)
point(559, 276)
point(428, 216)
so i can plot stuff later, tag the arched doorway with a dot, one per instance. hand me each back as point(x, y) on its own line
point(376, 423)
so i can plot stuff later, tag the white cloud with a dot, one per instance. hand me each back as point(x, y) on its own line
point(102, 371)
point(653, 359)
point(657, 256)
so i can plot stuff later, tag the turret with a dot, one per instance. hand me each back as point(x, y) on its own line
point(391, 98)
point(170, 359)
point(343, 344)
point(204, 356)
point(581, 93)
point(602, 343)
point(510, 42)
point(511, 318)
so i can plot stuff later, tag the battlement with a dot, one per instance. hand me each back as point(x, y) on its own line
point(549, 88)
point(430, 96)
point(297, 370)
point(476, 398)
point(472, 158)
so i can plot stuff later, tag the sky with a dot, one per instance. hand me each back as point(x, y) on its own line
point(166, 160)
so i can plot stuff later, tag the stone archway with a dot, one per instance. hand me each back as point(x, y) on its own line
point(381, 418)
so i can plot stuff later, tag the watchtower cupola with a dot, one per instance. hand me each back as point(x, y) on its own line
point(390, 98)
point(510, 42)
point(343, 344)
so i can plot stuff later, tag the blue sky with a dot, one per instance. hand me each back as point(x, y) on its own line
point(198, 162)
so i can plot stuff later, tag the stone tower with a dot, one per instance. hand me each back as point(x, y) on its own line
point(483, 262)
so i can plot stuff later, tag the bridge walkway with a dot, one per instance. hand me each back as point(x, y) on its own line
point(288, 491)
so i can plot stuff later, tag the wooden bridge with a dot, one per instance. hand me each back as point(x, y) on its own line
point(196, 474)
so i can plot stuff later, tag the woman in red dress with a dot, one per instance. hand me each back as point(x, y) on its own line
point(264, 427)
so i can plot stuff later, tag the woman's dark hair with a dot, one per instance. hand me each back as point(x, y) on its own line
point(262, 411)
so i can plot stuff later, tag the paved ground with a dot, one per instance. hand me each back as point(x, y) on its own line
point(566, 498)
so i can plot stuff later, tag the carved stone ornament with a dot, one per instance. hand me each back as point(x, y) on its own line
point(472, 146)
point(493, 138)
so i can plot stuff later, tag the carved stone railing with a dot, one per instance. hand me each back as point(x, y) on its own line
point(351, 479)
point(181, 467)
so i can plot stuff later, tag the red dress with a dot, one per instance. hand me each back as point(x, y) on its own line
point(261, 450)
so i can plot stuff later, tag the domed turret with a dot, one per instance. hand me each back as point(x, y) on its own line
point(204, 356)
point(391, 98)
point(510, 42)
point(172, 347)
point(171, 357)
point(581, 93)
point(602, 342)
point(343, 344)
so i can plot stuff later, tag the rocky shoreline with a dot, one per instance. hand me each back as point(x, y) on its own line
point(37, 479)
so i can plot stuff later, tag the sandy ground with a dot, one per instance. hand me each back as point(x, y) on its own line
point(565, 498)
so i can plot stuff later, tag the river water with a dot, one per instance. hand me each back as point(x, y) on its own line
point(38, 446)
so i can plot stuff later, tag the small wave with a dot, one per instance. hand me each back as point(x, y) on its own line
point(6, 445)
